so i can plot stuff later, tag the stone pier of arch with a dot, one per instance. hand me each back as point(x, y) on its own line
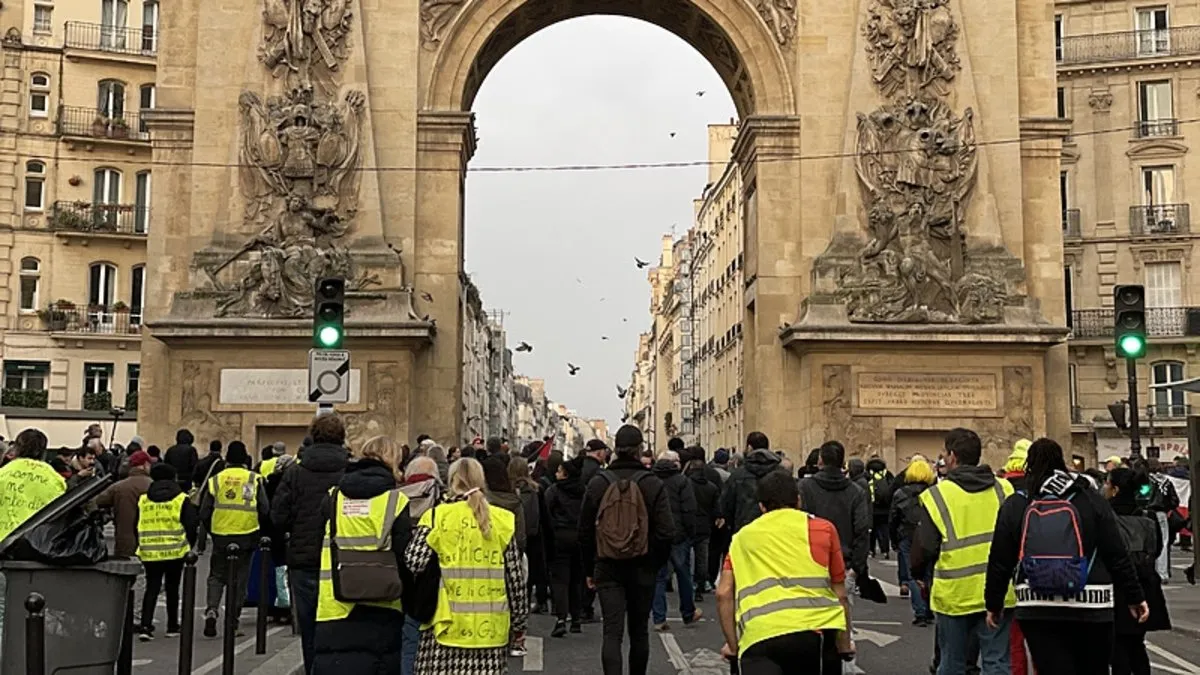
point(841, 340)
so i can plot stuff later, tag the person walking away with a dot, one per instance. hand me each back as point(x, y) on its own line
point(424, 490)
point(234, 505)
point(282, 609)
point(183, 458)
point(856, 471)
point(122, 499)
point(739, 505)
point(595, 456)
point(720, 463)
point(1061, 543)
point(296, 514)
point(719, 534)
point(831, 495)
point(474, 543)
point(905, 516)
point(1139, 533)
point(1163, 500)
point(682, 500)
point(208, 466)
point(533, 506)
point(782, 599)
point(880, 492)
point(625, 531)
point(500, 493)
point(267, 462)
point(367, 520)
point(1014, 473)
point(167, 523)
point(708, 498)
point(564, 501)
point(954, 537)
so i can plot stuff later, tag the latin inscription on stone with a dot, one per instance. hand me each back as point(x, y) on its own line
point(272, 386)
point(927, 391)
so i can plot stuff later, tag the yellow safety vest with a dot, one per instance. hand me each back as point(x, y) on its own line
point(26, 486)
point(268, 466)
point(362, 525)
point(966, 521)
point(160, 529)
point(472, 610)
point(235, 501)
point(781, 589)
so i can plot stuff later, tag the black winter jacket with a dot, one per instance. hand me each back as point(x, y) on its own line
point(183, 458)
point(202, 466)
point(682, 498)
point(643, 570)
point(906, 512)
point(164, 491)
point(829, 494)
point(708, 501)
point(296, 508)
point(1135, 520)
point(564, 500)
point(739, 496)
point(1100, 535)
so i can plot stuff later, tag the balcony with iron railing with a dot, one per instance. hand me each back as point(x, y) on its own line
point(90, 123)
point(73, 218)
point(106, 39)
point(1159, 220)
point(1070, 224)
point(1165, 322)
point(1173, 411)
point(1129, 45)
point(94, 320)
point(1156, 128)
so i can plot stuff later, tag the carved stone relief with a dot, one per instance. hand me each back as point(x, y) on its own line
point(196, 413)
point(304, 41)
point(860, 435)
point(999, 433)
point(436, 16)
point(383, 408)
point(780, 16)
point(1100, 100)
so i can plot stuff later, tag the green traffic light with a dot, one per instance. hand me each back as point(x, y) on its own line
point(1144, 489)
point(329, 336)
point(1132, 346)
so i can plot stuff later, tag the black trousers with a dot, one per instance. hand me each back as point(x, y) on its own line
point(879, 533)
point(718, 547)
point(805, 652)
point(1069, 648)
point(700, 576)
point(625, 603)
point(566, 580)
point(156, 572)
point(1129, 655)
point(539, 581)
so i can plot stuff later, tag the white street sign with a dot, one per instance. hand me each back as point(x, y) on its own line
point(328, 376)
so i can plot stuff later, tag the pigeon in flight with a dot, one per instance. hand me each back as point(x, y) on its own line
point(524, 347)
point(426, 296)
point(603, 337)
point(701, 93)
point(672, 134)
point(641, 264)
point(624, 419)
point(621, 392)
point(572, 368)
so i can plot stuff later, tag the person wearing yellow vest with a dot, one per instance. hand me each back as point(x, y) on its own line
point(166, 528)
point(781, 598)
point(483, 597)
point(27, 483)
point(233, 504)
point(954, 537)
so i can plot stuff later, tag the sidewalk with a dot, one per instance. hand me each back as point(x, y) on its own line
point(1183, 599)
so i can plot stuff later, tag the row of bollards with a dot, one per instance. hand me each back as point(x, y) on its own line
point(35, 619)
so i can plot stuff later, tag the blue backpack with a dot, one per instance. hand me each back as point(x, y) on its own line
point(1052, 560)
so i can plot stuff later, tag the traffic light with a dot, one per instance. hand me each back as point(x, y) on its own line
point(1129, 320)
point(329, 313)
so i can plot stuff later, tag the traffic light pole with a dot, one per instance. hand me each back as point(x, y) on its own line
point(1135, 431)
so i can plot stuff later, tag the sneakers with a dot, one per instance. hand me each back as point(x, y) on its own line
point(517, 651)
point(560, 629)
point(145, 634)
point(576, 627)
point(172, 632)
point(904, 591)
point(210, 624)
point(662, 627)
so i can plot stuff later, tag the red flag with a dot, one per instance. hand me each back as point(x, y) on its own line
point(547, 446)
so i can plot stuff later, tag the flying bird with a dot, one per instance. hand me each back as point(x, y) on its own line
point(624, 320)
point(624, 418)
point(426, 296)
point(641, 264)
point(524, 347)
point(701, 93)
point(621, 392)
point(603, 337)
point(572, 368)
point(672, 134)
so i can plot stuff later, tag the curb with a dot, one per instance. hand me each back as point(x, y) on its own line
point(289, 661)
point(1184, 628)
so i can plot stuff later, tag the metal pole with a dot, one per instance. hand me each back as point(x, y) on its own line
point(264, 595)
point(125, 657)
point(231, 619)
point(1135, 431)
point(35, 635)
point(187, 624)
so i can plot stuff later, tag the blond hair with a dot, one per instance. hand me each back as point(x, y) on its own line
point(919, 471)
point(385, 450)
point(466, 479)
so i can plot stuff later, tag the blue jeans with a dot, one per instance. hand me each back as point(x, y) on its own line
point(408, 649)
point(903, 547)
point(920, 605)
point(679, 562)
point(953, 633)
point(305, 585)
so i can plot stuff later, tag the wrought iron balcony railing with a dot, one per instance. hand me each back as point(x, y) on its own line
point(86, 217)
point(93, 123)
point(1156, 128)
point(1160, 322)
point(1169, 411)
point(1070, 223)
point(116, 39)
point(1127, 45)
point(94, 320)
point(1159, 219)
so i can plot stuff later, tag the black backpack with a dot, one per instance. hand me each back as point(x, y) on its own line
point(881, 490)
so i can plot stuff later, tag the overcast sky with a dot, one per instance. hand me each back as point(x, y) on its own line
point(596, 90)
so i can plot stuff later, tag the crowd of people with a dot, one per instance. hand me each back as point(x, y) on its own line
point(394, 559)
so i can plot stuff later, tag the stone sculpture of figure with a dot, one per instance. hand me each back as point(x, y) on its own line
point(780, 16)
point(911, 45)
point(306, 37)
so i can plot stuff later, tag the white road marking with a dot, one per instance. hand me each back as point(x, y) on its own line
point(534, 654)
point(880, 639)
point(1169, 669)
point(1190, 668)
point(675, 653)
point(216, 662)
point(892, 590)
point(137, 663)
point(878, 623)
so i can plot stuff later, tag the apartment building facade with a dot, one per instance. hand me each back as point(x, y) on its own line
point(1128, 79)
point(76, 176)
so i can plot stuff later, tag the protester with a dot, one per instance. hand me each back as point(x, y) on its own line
point(879, 492)
point(831, 495)
point(1014, 466)
point(183, 458)
point(438, 454)
point(470, 639)
point(83, 468)
point(167, 524)
point(1062, 629)
point(122, 499)
point(594, 458)
point(209, 466)
point(739, 505)
point(682, 500)
point(533, 507)
point(564, 501)
point(424, 490)
point(27, 484)
point(905, 517)
point(708, 508)
point(500, 493)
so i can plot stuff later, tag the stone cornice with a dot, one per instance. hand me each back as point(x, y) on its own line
point(179, 123)
point(444, 130)
point(767, 136)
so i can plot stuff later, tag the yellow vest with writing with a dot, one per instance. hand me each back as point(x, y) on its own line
point(472, 610)
point(160, 529)
point(26, 486)
point(362, 525)
point(235, 501)
point(781, 589)
point(966, 521)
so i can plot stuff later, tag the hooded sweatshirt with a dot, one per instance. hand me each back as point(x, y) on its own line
point(927, 540)
point(183, 458)
point(164, 491)
point(564, 501)
point(682, 498)
point(739, 500)
point(831, 495)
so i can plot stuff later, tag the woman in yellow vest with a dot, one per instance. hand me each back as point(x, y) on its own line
point(27, 483)
point(371, 515)
point(781, 598)
point(482, 597)
point(166, 528)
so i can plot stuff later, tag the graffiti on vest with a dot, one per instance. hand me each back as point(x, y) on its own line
point(23, 489)
point(1090, 597)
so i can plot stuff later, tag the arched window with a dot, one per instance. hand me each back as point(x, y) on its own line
point(1168, 402)
point(102, 283)
point(31, 270)
point(110, 99)
point(35, 185)
point(39, 95)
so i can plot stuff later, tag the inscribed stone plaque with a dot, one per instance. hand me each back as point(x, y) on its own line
point(927, 391)
point(273, 386)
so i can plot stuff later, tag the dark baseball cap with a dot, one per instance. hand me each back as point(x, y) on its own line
point(628, 436)
point(596, 444)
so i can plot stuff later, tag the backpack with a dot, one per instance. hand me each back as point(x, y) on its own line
point(1051, 558)
point(1139, 533)
point(880, 489)
point(622, 521)
point(529, 504)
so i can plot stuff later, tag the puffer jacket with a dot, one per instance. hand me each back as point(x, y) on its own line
point(295, 510)
point(739, 498)
point(831, 495)
point(682, 498)
point(564, 501)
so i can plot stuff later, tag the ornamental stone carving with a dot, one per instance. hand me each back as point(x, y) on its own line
point(780, 16)
point(436, 16)
point(1100, 100)
point(304, 41)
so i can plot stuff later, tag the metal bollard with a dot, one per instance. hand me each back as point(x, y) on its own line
point(264, 597)
point(187, 622)
point(125, 656)
point(35, 635)
point(231, 604)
